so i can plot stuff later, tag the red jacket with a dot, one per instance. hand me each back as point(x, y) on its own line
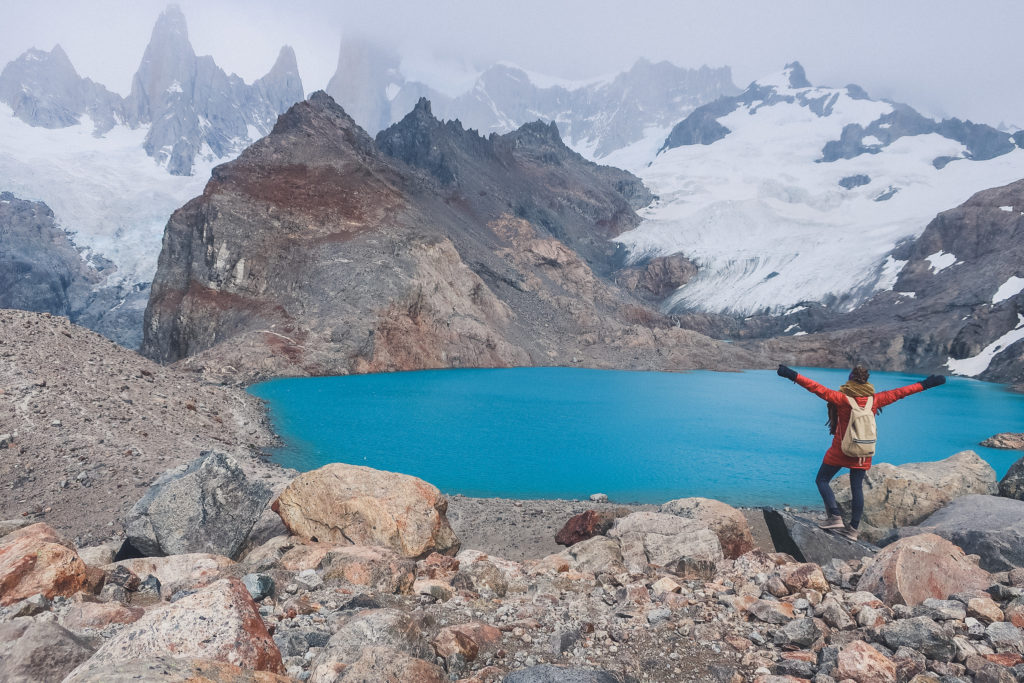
point(834, 455)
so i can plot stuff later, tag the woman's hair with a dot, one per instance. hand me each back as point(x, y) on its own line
point(859, 374)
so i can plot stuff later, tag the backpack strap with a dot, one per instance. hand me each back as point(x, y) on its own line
point(856, 406)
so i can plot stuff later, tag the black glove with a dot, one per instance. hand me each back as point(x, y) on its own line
point(789, 373)
point(933, 381)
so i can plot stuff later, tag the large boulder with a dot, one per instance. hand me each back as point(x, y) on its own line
point(206, 506)
point(349, 504)
point(657, 538)
point(39, 651)
point(903, 495)
point(35, 560)
point(383, 664)
point(727, 522)
point(1012, 483)
point(991, 527)
point(166, 669)
point(806, 542)
point(219, 622)
point(381, 569)
point(916, 568)
point(597, 555)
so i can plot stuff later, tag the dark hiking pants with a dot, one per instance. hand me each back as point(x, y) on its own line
point(825, 474)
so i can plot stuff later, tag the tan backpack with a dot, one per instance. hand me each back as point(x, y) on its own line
point(861, 435)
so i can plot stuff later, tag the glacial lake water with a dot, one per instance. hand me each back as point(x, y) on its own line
point(747, 438)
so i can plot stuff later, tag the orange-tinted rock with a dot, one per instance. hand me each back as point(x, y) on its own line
point(98, 615)
point(583, 526)
point(380, 664)
point(305, 556)
point(33, 560)
point(862, 663)
point(725, 521)
point(345, 504)
point(984, 609)
point(1015, 613)
point(771, 612)
point(919, 567)
point(803, 576)
point(379, 568)
point(1004, 658)
point(466, 640)
point(219, 622)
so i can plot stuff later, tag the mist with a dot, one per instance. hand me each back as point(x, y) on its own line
point(936, 56)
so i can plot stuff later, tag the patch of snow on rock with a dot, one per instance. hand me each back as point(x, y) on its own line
point(940, 260)
point(1012, 287)
point(974, 366)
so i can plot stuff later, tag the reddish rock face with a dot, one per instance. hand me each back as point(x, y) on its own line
point(380, 568)
point(583, 526)
point(919, 567)
point(219, 622)
point(467, 640)
point(33, 560)
point(803, 576)
point(862, 663)
point(171, 670)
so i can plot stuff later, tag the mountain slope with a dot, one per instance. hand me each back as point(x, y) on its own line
point(315, 252)
point(789, 193)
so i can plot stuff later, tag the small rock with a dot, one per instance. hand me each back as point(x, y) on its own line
point(599, 497)
point(258, 585)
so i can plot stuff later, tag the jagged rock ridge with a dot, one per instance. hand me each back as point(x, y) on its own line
point(315, 252)
point(595, 118)
point(190, 104)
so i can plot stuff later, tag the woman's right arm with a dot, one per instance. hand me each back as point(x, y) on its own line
point(810, 385)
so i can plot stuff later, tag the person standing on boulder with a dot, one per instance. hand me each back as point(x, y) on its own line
point(839, 412)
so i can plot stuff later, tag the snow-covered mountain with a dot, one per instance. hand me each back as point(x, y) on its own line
point(789, 193)
point(113, 169)
point(595, 118)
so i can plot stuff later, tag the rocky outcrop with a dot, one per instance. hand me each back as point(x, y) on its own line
point(916, 568)
point(176, 572)
point(1013, 440)
point(807, 542)
point(219, 622)
point(657, 278)
point(725, 521)
point(207, 506)
point(1012, 483)
point(43, 270)
point(349, 504)
point(991, 527)
point(34, 560)
point(496, 252)
point(905, 495)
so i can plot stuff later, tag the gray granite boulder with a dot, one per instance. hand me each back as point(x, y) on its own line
point(658, 538)
point(1012, 484)
point(902, 495)
point(206, 506)
point(802, 539)
point(991, 527)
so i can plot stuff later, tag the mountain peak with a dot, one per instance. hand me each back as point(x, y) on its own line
point(422, 108)
point(171, 22)
point(286, 60)
point(797, 77)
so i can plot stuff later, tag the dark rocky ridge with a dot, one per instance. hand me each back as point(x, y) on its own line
point(42, 270)
point(317, 253)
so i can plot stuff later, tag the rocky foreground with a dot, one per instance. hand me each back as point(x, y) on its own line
point(357, 575)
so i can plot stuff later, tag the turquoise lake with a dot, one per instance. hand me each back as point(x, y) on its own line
point(747, 438)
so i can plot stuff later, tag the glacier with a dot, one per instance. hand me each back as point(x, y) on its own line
point(765, 218)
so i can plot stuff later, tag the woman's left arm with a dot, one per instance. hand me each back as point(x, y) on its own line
point(884, 398)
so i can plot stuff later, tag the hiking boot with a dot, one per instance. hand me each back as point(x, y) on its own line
point(832, 522)
point(848, 532)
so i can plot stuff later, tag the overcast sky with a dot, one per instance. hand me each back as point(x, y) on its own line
point(946, 58)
